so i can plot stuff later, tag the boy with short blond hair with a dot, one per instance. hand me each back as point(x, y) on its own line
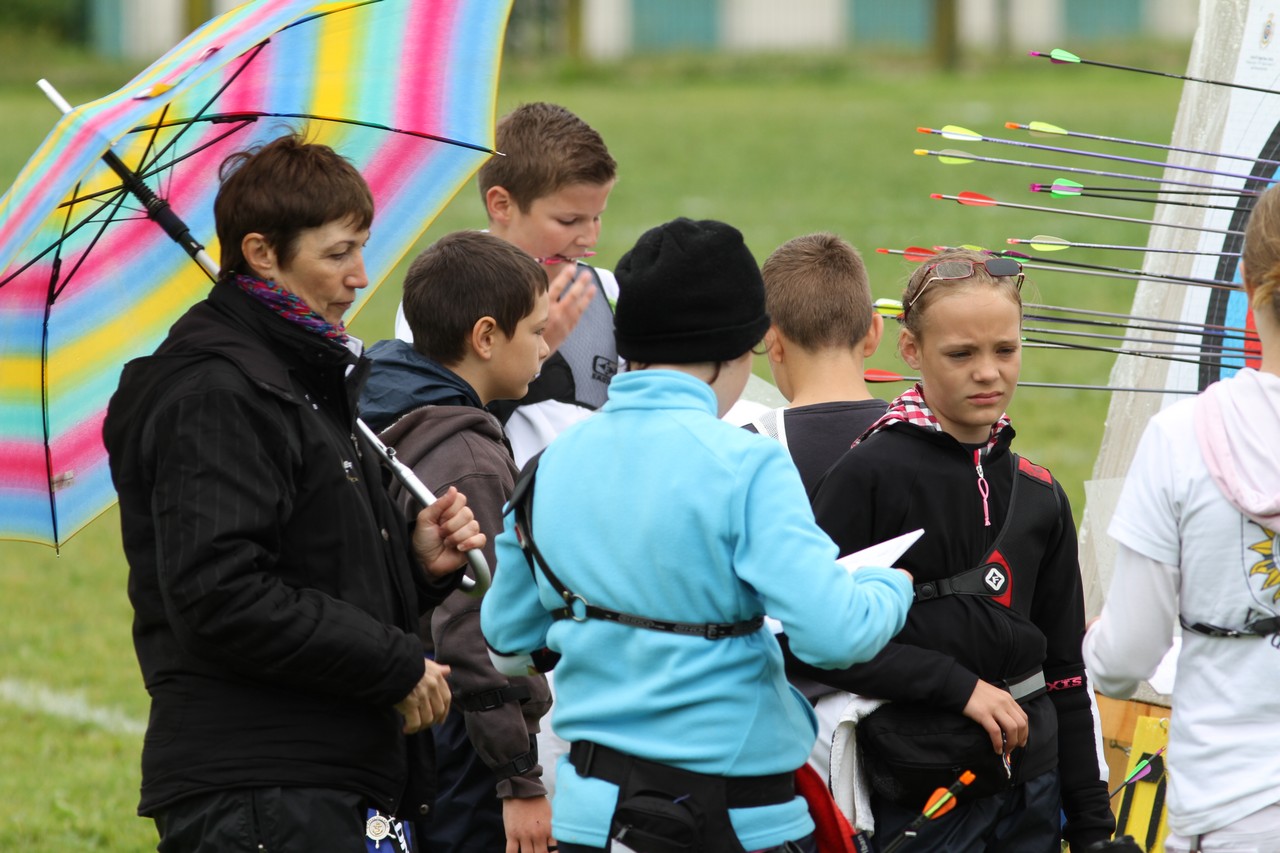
point(478, 308)
point(546, 195)
point(824, 327)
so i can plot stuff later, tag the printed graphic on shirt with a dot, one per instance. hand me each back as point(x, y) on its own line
point(1263, 576)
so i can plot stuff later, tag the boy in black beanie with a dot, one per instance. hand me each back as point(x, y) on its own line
point(668, 679)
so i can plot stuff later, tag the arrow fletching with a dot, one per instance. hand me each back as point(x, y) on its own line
point(1045, 243)
point(1065, 187)
point(1060, 56)
point(876, 375)
point(1043, 128)
point(954, 131)
point(975, 199)
point(951, 156)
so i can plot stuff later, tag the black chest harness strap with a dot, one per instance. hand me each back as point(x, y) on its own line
point(991, 578)
point(578, 608)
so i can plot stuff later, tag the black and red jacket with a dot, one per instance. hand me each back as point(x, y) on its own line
point(906, 477)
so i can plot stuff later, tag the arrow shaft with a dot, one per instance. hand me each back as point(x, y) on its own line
point(1171, 325)
point(1019, 241)
point(1144, 144)
point(884, 377)
point(1160, 355)
point(1215, 349)
point(1097, 155)
point(1085, 214)
point(1052, 264)
point(1073, 169)
point(1173, 76)
point(1040, 188)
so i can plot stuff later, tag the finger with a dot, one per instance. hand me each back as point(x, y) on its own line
point(412, 719)
point(582, 290)
point(561, 280)
point(439, 702)
point(997, 735)
point(470, 542)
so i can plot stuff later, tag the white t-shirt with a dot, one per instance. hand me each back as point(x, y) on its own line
point(1185, 548)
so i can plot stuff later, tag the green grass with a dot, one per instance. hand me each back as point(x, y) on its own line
point(776, 146)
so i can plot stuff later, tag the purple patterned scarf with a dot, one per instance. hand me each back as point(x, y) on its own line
point(290, 307)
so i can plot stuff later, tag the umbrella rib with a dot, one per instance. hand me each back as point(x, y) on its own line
point(186, 124)
point(156, 170)
point(249, 116)
point(119, 202)
point(116, 199)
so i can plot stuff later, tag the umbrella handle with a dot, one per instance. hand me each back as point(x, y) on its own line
point(418, 489)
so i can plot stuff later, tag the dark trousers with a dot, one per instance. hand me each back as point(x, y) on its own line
point(808, 844)
point(1024, 819)
point(265, 820)
point(467, 817)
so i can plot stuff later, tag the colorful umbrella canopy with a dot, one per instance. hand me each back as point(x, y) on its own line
point(404, 88)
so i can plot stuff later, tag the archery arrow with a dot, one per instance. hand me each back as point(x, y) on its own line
point(1068, 187)
point(1082, 268)
point(1054, 265)
point(972, 199)
point(1140, 770)
point(1207, 349)
point(876, 375)
point(1058, 56)
point(1071, 189)
point(955, 132)
point(953, 157)
point(942, 801)
point(1047, 243)
point(1043, 128)
point(892, 308)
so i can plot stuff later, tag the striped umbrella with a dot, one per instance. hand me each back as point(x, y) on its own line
point(89, 278)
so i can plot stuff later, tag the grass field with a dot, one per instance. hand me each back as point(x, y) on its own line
point(776, 146)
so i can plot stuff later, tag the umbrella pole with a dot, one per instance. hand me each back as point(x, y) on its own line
point(157, 208)
point(160, 212)
point(423, 495)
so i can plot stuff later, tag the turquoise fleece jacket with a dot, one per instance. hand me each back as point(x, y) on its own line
point(655, 507)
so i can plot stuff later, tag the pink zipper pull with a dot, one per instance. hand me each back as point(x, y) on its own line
point(983, 488)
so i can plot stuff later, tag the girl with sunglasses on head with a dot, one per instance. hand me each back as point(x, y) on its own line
point(986, 675)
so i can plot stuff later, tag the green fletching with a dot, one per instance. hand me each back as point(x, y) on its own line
point(1063, 187)
point(1060, 55)
point(953, 157)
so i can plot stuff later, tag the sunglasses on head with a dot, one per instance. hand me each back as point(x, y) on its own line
point(963, 268)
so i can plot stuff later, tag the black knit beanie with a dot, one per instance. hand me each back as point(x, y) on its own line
point(689, 292)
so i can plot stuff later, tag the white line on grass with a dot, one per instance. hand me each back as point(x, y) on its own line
point(31, 696)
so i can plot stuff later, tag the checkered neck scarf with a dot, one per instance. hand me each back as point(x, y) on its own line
point(911, 408)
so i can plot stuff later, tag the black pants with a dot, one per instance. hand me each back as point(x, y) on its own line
point(467, 817)
point(808, 844)
point(266, 820)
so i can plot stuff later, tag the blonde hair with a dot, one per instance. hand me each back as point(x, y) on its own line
point(1262, 252)
point(816, 292)
point(917, 298)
